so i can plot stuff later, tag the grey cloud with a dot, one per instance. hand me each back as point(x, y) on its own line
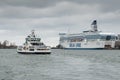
point(61, 9)
point(28, 3)
point(107, 5)
point(54, 8)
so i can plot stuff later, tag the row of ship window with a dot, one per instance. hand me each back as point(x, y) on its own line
point(74, 45)
point(93, 37)
point(33, 39)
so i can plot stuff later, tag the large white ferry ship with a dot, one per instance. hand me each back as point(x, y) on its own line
point(33, 45)
point(90, 39)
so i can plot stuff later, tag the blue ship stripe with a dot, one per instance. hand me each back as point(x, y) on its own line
point(83, 48)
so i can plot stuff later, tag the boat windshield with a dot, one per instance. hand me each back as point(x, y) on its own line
point(37, 43)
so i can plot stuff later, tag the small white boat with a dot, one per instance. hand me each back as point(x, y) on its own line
point(33, 45)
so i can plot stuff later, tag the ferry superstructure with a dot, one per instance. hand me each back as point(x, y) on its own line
point(33, 45)
point(91, 39)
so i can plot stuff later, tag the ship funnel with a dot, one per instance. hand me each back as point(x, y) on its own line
point(94, 25)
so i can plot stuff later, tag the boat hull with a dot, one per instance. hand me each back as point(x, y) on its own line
point(34, 52)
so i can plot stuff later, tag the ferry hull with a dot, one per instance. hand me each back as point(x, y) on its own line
point(95, 45)
point(84, 49)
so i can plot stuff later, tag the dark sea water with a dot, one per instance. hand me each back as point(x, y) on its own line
point(60, 65)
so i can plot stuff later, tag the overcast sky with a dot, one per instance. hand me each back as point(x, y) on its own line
point(50, 17)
